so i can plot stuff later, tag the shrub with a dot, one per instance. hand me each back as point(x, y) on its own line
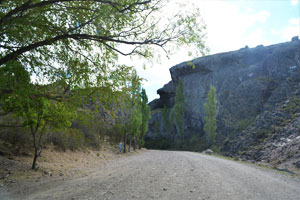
point(69, 139)
point(197, 143)
point(75, 139)
point(243, 123)
point(262, 134)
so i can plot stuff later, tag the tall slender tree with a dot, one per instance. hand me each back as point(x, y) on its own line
point(210, 107)
point(146, 115)
point(179, 108)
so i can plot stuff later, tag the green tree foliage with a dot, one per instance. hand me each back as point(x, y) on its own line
point(139, 113)
point(29, 102)
point(210, 107)
point(146, 115)
point(179, 107)
point(134, 125)
point(84, 37)
point(166, 118)
point(133, 120)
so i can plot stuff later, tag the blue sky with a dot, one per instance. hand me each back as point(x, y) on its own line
point(280, 14)
point(232, 24)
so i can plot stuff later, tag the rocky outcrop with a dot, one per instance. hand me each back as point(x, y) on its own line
point(167, 94)
point(274, 136)
point(248, 82)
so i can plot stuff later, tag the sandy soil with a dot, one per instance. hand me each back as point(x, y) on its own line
point(164, 175)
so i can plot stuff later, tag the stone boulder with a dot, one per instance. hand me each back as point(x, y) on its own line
point(208, 152)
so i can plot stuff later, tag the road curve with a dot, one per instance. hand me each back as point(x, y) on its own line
point(172, 175)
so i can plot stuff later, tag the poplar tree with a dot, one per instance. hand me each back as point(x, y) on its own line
point(146, 115)
point(179, 107)
point(210, 106)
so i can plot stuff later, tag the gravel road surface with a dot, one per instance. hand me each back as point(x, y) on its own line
point(170, 175)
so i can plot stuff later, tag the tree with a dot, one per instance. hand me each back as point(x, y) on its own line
point(146, 115)
point(28, 102)
point(165, 113)
point(210, 107)
point(135, 124)
point(179, 107)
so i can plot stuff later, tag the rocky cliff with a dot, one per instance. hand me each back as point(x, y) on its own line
point(248, 82)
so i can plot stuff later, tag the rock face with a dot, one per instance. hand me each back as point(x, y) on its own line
point(248, 82)
point(274, 136)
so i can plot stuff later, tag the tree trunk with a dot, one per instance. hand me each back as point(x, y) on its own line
point(34, 159)
point(35, 156)
point(134, 143)
point(140, 143)
point(37, 142)
point(129, 143)
point(125, 141)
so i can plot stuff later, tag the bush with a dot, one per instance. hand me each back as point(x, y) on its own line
point(75, 139)
point(16, 136)
point(161, 143)
point(90, 133)
point(197, 143)
point(70, 139)
point(262, 134)
point(15, 141)
point(243, 124)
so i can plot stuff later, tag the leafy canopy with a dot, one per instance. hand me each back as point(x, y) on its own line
point(80, 40)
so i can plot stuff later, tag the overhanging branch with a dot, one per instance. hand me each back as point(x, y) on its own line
point(11, 126)
point(27, 5)
point(101, 39)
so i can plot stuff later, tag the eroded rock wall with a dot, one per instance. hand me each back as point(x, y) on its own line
point(248, 82)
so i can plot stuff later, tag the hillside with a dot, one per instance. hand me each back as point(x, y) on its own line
point(274, 136)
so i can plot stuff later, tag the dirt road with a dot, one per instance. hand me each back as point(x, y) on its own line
point(168, 175)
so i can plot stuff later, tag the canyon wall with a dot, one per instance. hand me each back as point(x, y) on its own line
point(248, 82)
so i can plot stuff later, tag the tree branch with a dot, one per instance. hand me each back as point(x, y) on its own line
point(11, 126)
point(15, 11)
point(97, 38)
point(27, 6)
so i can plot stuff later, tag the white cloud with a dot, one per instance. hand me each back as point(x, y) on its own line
point(291, 30)
point(294, 2)
point(255, 38)
point(229, 29)
point(275, 32)
point(294, 21)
